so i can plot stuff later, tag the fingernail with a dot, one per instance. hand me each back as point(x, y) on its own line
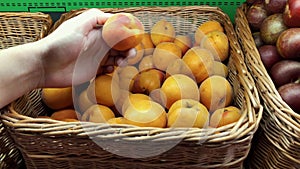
point(131, 53)
point(121, 62)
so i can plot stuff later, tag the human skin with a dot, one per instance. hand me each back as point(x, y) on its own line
point(73, 54)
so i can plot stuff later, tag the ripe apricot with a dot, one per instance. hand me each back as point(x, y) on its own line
point(123, 31)
point(146, 113)
point(200, 62)
point(206, 27)
point(217, 42)
point(164, 53)
point(98, 113)
point(57, 98)
point(65, 114)
point(215, 92)
point(184, 42)
point(148, 44)
point(162, 31)
point(224, 116)
point(105, 89)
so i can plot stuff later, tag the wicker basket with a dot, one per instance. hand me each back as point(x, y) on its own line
point(278, 144)
point(16, 29)
point(47, 143)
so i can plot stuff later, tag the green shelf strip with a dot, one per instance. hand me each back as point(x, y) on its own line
point(228, 6)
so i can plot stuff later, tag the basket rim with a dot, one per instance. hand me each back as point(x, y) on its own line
point(266, 87)
point(73, 12)
point(46, 20)
point(239, 129)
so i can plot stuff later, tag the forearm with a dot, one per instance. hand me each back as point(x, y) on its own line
point(20, 71)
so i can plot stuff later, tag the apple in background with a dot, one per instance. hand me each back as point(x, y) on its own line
point(288, 43)
point(252, 1)
point(269, 55)
point(257, 39)
point(256, 15)
point(290, 93)
point(285, 71)
point(291, 14)
point(271, 28)
point(123, 31)
point(274, 6)
point(148, 80)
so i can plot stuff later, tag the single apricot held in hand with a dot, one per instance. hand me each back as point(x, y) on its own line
point(123, 31)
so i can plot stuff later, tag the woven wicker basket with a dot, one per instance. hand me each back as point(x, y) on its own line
point(47, 143)
point(278, 144)
point(16, 29)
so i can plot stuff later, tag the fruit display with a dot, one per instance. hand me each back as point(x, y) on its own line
point(161, 124)
point(275, 26)
point(175, 80)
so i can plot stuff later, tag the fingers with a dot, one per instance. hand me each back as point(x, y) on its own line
point(129, 53)
point(90, 19)
point(114, 58)
point(99, 16)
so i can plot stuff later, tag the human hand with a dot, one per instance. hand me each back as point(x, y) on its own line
point(76, 52)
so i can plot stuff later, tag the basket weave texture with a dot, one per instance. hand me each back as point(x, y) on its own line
point(278, 142)
point(22, 27)
point(18, 28)
point(47, 143)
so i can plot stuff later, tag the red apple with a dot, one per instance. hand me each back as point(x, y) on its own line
point(290, 93)
point(252, 1)
point(257, 39)
point(271, 28)
point(285, 71)
point(291, 14)
point(288, 43)
point(274, 6)
point(256, 15)
point(269, 55)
